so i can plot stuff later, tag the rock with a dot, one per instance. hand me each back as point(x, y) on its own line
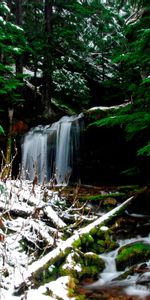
point(81, 265)
point(144, 279)
point(131, 254)
point(140, 203)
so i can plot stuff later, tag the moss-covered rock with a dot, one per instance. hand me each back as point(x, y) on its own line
point(79, 265)
point(92, 265)
point(72, 264)
point(109, 203)
point(97, 241)
point(131, 254)
point(125, 274)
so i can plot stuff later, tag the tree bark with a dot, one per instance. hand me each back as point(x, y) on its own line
point(47, 67)
point(19, 63)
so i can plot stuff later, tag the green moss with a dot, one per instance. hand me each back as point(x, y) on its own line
point(71, 292)
point(2, 187)
point(87, 239)
point(101, 243)
point(93, 231)
point(81, 297)
point(77, 243)
point(84, 242)
point(79, 265)
point(91, 265)
point(96, 241)
point(99, 197)
point(47, 275)
point(49, 271)
point(48, 293)
point(131, 254)
point(125, 274)
point(112, 246)
point(98, 233)
point(72, 283)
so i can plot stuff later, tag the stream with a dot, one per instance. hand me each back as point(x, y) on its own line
point(130, 227)
point(111, 285)
point(110, 276)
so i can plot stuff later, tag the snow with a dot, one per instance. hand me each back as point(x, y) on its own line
point(18, 263)
point(31, 73)
point(7, 9)
point(66, 244)
point(17, 27)
point(70, 263)
point(104, 228)
point(18, 196)
point(58, 288)
point(108, 107)
point(56, 219)
point(1, 19)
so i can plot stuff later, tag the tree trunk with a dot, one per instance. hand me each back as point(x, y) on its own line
point(47, 67)
point(19, 64)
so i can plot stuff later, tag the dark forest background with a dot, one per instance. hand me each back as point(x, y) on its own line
point(62, 57)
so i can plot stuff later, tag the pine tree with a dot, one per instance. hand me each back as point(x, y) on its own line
point(72, 43)
point(12, 44)
point(133, 71)
point(18, 14)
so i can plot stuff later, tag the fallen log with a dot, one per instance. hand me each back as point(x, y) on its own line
point(53, 217)
point(16, 209)
point(37, 267)
point(24, 210)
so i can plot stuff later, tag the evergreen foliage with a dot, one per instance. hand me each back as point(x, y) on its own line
point(133, 73)
point(68, 47)
point(80, 44)
point(12, 44)
point(1, 130)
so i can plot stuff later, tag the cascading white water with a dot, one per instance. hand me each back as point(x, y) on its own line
point(51, 150)
point(110, 276)
point(34, 153)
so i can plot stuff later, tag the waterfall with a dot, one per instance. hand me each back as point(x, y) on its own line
point(52, 150)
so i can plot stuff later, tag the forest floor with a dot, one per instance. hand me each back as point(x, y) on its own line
point(36, 221)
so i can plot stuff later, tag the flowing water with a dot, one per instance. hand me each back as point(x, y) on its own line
point(52, 150)
point(136, 284)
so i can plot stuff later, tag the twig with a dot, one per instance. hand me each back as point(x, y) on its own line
point(7, 169)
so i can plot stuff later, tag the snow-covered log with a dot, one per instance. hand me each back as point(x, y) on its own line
point(24, 210)
point(36, 268)
point(106, 108)
point(17, 201)
point(16, 209)
point(53, 216)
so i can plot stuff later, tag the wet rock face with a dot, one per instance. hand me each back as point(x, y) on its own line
point(140, 203)
point(129, 226)
point(105, 154)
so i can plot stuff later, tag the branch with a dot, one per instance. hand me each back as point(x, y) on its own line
point(6, 170)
